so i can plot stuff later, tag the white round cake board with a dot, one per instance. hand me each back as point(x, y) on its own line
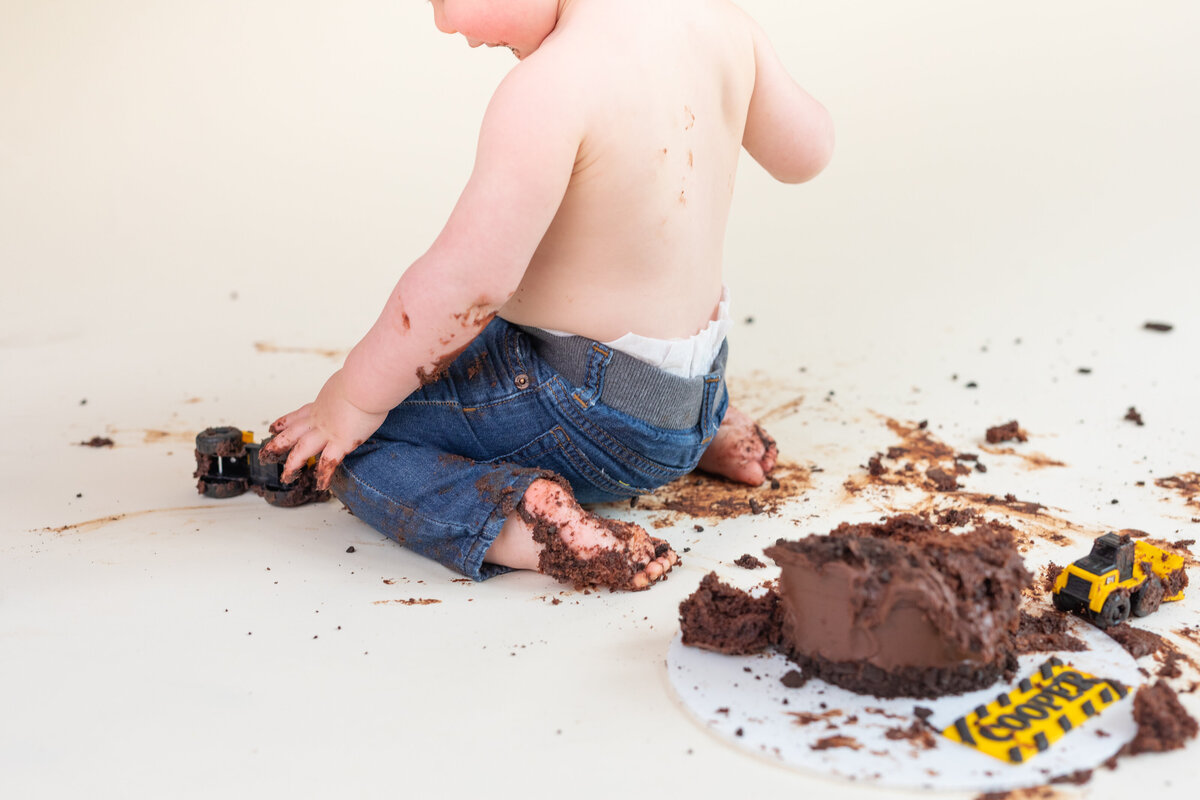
point(741, 700)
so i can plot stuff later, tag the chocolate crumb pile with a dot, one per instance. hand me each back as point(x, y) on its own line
point(1046, 632)
point(1007, 432)
point(721, 618)
point(1163, 723)
point(747, 561)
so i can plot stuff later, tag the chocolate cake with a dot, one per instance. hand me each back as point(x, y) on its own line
point(902, 608)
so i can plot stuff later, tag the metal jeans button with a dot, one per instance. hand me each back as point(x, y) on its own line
point(521, 381)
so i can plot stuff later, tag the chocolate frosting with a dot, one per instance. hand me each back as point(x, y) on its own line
point(902, 594)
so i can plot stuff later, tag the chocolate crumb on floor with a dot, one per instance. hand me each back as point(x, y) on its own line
point(1007, 432)
point(97, 441)
point(830, 742)
point(747, 561)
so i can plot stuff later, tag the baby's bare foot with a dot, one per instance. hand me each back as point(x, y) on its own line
point(587, 550)
point(741, 450)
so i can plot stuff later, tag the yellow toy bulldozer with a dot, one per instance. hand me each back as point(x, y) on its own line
point(1120, 576)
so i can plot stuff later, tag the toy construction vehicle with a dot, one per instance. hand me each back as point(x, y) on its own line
point(228, 464)
point(1118, 577)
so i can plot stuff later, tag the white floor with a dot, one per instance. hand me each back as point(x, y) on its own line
point(199, 201)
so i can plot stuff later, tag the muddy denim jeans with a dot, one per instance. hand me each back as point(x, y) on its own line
point(446, 468)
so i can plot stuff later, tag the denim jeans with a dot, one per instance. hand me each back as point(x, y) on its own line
point(449, 464)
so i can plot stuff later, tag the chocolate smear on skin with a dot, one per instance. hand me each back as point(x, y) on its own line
point(439, 367)
point(614, 568)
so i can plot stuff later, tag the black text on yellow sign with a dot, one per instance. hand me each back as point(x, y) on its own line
point(1036, 713)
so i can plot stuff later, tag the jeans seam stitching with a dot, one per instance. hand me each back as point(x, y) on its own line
point(588, 428)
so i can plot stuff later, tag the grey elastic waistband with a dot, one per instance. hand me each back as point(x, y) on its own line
point(630, 385)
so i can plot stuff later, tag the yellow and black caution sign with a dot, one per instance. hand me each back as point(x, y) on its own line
point(1036, 713)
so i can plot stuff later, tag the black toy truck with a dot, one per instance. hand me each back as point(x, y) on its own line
point(228, 464)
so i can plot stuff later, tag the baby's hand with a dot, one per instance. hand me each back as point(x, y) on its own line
point(331, 426)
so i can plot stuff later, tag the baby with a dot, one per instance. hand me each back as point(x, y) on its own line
point(562, 340)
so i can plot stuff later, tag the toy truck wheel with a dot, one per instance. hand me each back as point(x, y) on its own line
point(1114, 612)
point(1148, 597)
point(220, 488)
point(223, 442)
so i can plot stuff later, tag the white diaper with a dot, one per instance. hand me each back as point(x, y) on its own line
point(686, 358)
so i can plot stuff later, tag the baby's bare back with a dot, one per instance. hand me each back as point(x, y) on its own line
point(636, 244)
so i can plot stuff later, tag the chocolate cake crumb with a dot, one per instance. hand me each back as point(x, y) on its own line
point(956, 517)
point(97, 441)
point(721, 618)
point(1050, 576)
point(1133, 415)
point(922, 713)
point(1007, 432)
point(1160, 327)
point(1163, 723)
point(1046, 632)
point(875, 466)
point(941, 479)
point(916, 733)
point(830, 742)
point(350, 549)
point(1137, 642)
point(793, 679)
point(748, 561)
point(1079, 777)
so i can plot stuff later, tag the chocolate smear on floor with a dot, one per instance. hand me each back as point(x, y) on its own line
point(1186, 484)
point(830, 742)
point(701, 495)
point(97, 441)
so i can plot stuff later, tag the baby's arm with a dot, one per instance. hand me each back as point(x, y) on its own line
point(787, 131)
point(526, 153)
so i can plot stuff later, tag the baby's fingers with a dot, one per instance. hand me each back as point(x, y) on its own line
point(300, 415)
point(284, 440)
point(309, 445)
point(331, 457)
